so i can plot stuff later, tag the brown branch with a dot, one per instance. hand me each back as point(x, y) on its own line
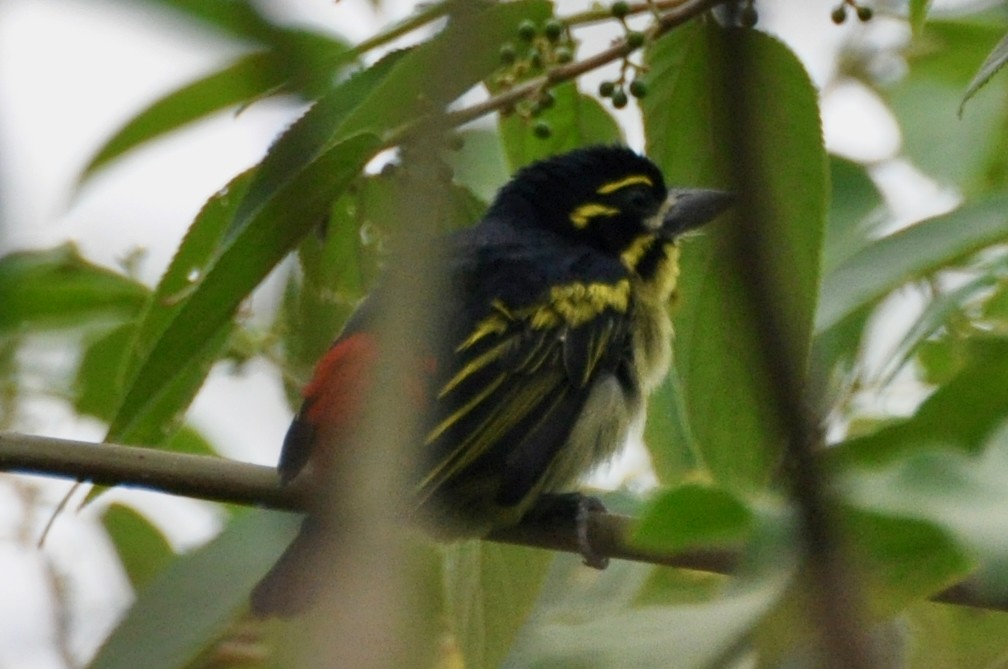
point(222, 480)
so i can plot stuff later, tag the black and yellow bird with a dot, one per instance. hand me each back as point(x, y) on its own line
point(553, 333)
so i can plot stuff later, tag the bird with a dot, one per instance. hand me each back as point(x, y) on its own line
point(555, 330)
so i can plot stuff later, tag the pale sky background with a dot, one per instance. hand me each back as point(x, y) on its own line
point(71, 72)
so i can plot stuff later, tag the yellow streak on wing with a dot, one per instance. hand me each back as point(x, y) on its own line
point(507, 412)
point(494, 324)
point(583, 214)
point(474, 365)
point(632, 180)
point(444, 425)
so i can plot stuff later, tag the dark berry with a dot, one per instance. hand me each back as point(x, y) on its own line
point(541, 129)
point(635, 39)
point(527, 30)
point(839, 14)
point(864, 13)
point(620, 9)
point(638, 88)
point(546, 100)
point(563, 54)
point(606, 89)
point(748, 17)
point(619, 98)
point(553, 30)
point(507, 54)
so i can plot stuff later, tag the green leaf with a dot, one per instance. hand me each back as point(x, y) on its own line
point(970, 153)
point(189, 604)
point(246, 79)
point(188, 334)
point(718, 351)
point(856, 209)
point(143, 549)
point(394, 92)
point(701, 634)
point(908, 254)
point(918, 14)
point(905, 560)
point(57, 288)
point(480, 165)
point(575, 120)
point(962, 413)
point(995, 60)
point(693, 515)
point(963, 494)
point(238, 19)
point(491, 588)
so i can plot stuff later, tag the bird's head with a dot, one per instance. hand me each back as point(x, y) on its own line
point(608, 197)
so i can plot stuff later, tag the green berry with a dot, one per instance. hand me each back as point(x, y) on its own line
point(864, 13)
point(619, 98)
point(553, 29)
point(748, 17)
point(535, 58)
point(541, 129)
point(606, 89)
point(638, 88)
point(546, 100)
point(507, 54)
point(839, 14)
point(635, 39)
point(527, 30)
point(620, 9)
point(563, 54)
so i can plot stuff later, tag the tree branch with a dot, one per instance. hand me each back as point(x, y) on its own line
point(222, 480)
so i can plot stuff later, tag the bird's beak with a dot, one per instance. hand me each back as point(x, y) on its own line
point(689, 208)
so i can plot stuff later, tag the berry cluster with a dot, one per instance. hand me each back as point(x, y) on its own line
point(536, 49)
point(617, 91)
point(839, 13)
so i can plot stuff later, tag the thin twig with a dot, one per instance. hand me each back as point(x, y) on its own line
point(222, 480)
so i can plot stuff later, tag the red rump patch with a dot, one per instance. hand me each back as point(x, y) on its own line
point(342, 382)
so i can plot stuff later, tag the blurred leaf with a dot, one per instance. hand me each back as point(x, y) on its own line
point(693, 515)
point(995, 60)
point(143, 549)
point(964, 494)
point(189, 604)
point(918, 13)
point(244, 80)
point(906, 560)
point(57, 288)
point(491, 589)
point(936, 314)
point(908, 254)
point(673, 448)
point(856, 207)
point(480, 165)
point(718, 354)
point(99, 375)
point(962, 413)
point(393, 92)
point(236, 18)
point(188, 334)
point(971, 153)
point(702, 634)
point(575, 120)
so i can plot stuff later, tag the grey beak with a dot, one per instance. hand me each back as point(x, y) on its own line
point(692, 207)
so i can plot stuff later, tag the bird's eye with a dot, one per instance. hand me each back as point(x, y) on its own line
point(639, 201)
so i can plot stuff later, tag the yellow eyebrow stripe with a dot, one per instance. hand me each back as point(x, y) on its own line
point(580, 216)
point(632, 180)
